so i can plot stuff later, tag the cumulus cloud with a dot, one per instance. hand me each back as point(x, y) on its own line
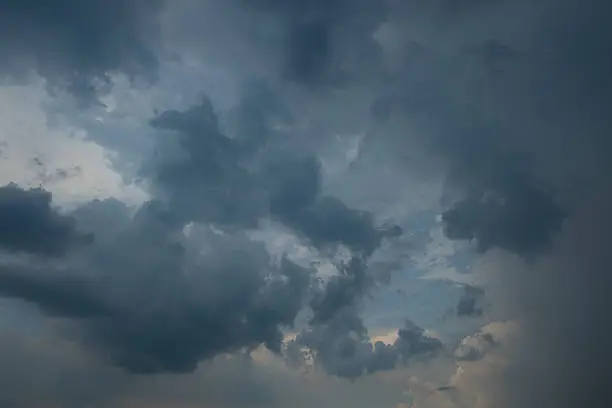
point(528, 171)
point(180, 281)
point(141, 278)
point(507, 101)
point(29, 223)
point(342, 347)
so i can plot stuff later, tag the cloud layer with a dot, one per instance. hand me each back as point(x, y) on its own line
point(507, 102)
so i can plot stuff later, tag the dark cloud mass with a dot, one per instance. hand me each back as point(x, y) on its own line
point(343, 348)
point(507, 101)
point(162, 290)
point(152, 304)
point(504, 208)
point(313, 47)
point(233, 182)
point(539, 221)
point(78, 44)
point(471, 302)
point(248, 180)
point(30, 223)
point(64, 296)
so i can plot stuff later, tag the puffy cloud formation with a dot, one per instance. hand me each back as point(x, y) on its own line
point(506, 101)
point(343, 348)
point(180, 281)
point(527, 158)
point(139, 290)
point(29, 223)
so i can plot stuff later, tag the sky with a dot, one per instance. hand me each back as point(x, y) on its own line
point(282, 203)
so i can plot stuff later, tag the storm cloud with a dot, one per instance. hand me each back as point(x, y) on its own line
point(29, 223)
point(180, 281)
point(238, 181)
point(313, 46)
point(508, 102)
point(341, 347)
point(78, 45)
point(151, 304)
point(526, 155)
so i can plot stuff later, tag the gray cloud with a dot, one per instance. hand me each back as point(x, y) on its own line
point(77, 45)
point(342, 347)
point(546, 106)
point(155, 298)
point(29, 223)
point(232, 181)
point(504, 208)
point(472, 84)
point(151, 304)
point(312, 32)
point(471, 302)
point(254, 178)
point(59, 296)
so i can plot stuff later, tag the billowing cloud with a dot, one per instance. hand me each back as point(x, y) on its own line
point(312, 32)
point(236, 182)
point(527, 158)
point(342, 347)
point(180, 281)
point(78, 45)
point(151, 304)
point(507, 101)
point(29, 223)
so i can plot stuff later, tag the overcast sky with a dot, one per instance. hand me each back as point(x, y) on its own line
point(283, 203)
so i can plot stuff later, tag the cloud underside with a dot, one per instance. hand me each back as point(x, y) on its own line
point(180, 281)
point(514, 121)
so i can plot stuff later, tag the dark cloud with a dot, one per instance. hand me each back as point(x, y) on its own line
point(548, 106)
point(471, 302)
point(313, 33)
point(471, 86)
point(77, 45)
point(179, 307)
point(342, 347)
point(324, 220)
point(151, 304)
point(507, 210)
point(180, 282)
point(105, 217)
point(341, 291)
point(204, 180)
point(413, 341)
point(506, 200)
point(259, 110)
point(256, 174)
point(235, 181)
point(30, 223)
point(308, 31)
point(63, 296)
